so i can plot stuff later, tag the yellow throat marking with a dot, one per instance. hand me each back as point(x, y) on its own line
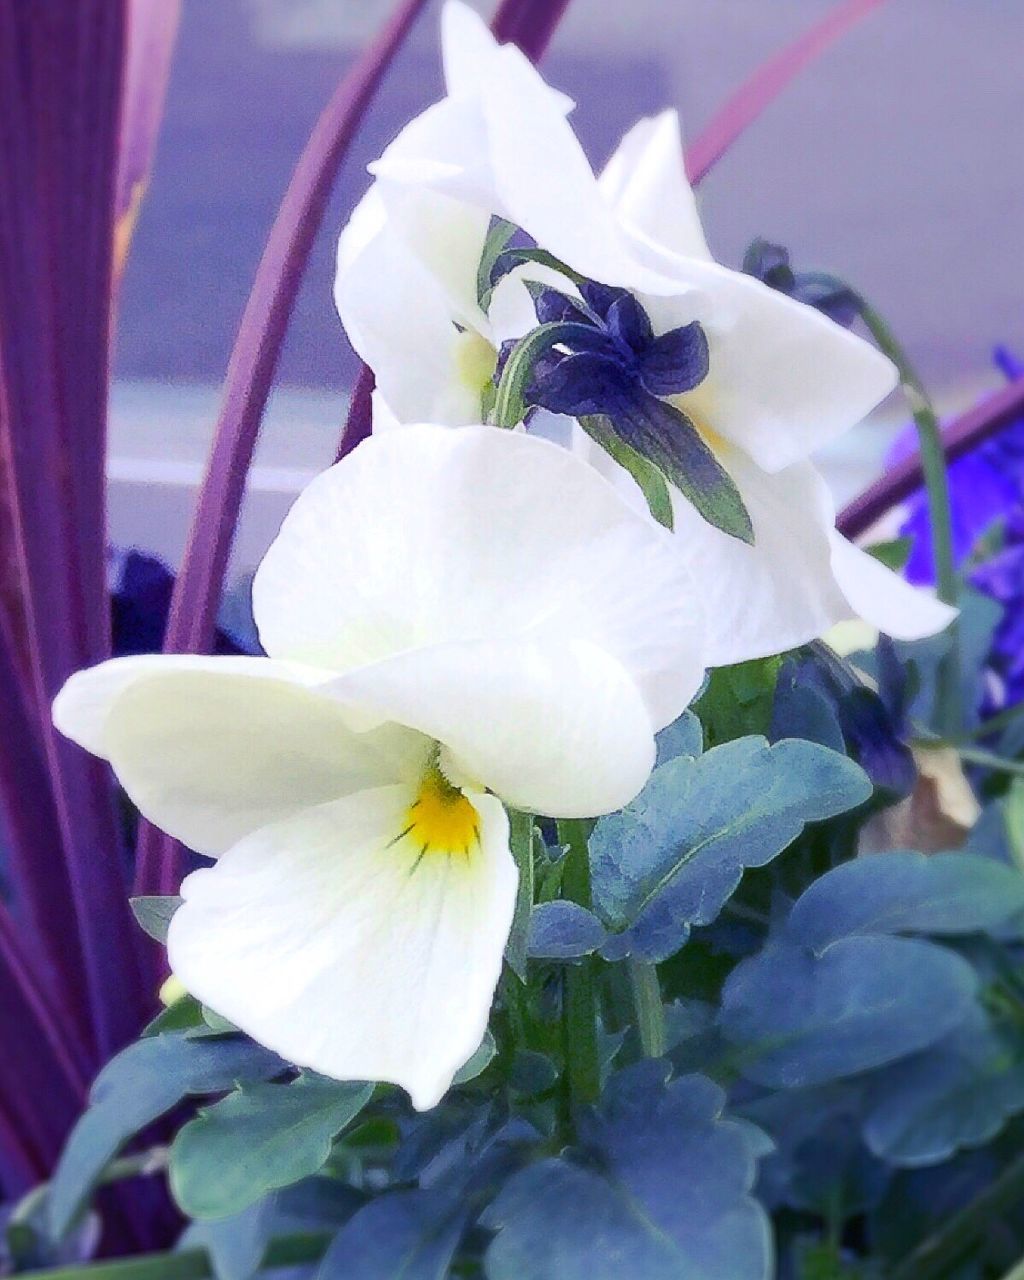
point(441, 819)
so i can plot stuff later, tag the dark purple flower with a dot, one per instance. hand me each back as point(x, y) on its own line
point(140, 596)
point(611, 363)
point(604, 362)
point(770, 264)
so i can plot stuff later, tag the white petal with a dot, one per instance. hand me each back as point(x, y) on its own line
point(425, 536)
point(470, 52)
point(342, 953)
point(82, 708)
point(551, 726)
point(213, 753)
point(645, 183)
point(399, 320)
point(778, 593)
point(883, 598)
point(784, 379)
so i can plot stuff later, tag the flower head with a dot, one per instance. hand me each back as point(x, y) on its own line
point(726, 385)
point(454, 621)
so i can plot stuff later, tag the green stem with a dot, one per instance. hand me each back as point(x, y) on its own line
point(579, 1014)
point(192, 1264)
point(936, 482)
point(648, 1010)
point(1017, 1273)
point(521, 844)
point(989, 760)
point(997, 723)
point(936, 1254)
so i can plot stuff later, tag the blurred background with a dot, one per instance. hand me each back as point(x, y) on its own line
point(894, 160)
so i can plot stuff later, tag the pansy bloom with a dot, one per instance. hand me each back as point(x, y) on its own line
point(455, 622)
point(430, 302)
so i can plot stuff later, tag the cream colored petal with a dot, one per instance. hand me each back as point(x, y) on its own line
point(348, 953)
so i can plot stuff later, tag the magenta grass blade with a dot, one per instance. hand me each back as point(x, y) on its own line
point(530, 24)
point(60, 71)
point(960, 436)
point(250, 374)
point(765, 85)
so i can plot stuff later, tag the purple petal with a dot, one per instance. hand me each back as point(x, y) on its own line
point(675, 362)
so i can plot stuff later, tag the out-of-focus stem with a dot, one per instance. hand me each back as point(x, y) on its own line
point(580, 1002)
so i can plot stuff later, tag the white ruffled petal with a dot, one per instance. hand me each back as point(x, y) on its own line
point(884, 599)
point(645, 184)
point(784, 380)
point(347, 952)
point(551, 726)
point(426, 536)
point(213, 749)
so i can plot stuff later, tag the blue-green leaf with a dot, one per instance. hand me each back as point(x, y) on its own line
point(669, 1198)
point(404, 1235)
point(260, 1137)
point(674, 856)
point(802, 1019)
point(563, 930)
point(133, 1090)
point(944, 893)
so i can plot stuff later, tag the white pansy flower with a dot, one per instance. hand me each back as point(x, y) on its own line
point(782, 380)
point(454, 621)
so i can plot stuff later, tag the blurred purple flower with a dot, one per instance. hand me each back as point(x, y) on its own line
point(986, 498)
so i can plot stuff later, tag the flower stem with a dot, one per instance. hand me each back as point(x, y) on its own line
point(521, 844)
point(580, 1003)
point(648, 1010)
point(936, 481)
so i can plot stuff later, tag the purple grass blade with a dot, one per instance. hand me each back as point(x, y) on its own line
point(960, 436)
point(767, 83)
point(40, 1084)
point(250, 375)
point(360, 413)
point(152, 32)
point(41, 888)
point(60, 69)
point(530, 24)
point(21, 1166)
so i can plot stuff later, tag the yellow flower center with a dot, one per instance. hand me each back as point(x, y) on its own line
point(441, 819)
point(475, 360)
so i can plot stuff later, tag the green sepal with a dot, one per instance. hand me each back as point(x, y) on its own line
point(650, 479)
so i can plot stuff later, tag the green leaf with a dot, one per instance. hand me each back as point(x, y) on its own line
point(479, 1062)
point(258, 1138)
point(738, 700)
point(134, 1089)
point(894, 554)
point(182, 1015)
point(154, 914)
point(499, 233)
point(666, 436)
point(649, 478)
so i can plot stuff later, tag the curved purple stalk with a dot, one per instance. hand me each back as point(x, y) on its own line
point(249, 377)
point(530, 24)
point(60, 79)
point(958, 437)
point(765, 85)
